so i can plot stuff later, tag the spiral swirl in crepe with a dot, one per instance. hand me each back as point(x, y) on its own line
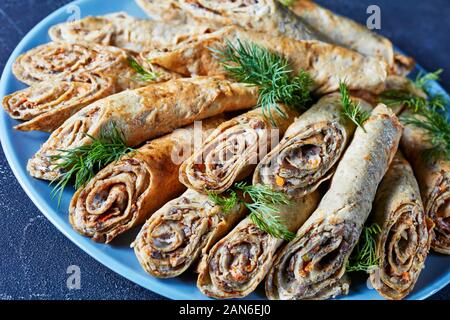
point(128, 191)
point(313, 265)
point(46, 105)
point(405, 238)
point(233, 150)
point(239, 262)
point(309, 150)
point(183, 229)
point(433, 176)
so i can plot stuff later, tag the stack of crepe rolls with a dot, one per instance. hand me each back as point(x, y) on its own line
point(239, 262)
point(310, 149)
point(433, 176)
point(327, 64)
point(126, 192)
point(404, 241)
point(312, 266)
point(65, 77)
point(143, 114)
point(126, 32)
point(350, 34)
point(46, 105)
point(181, 231)
point(231, 153)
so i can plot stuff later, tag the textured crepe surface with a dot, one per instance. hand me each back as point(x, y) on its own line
point(404, 242)
point(237, 264)
point(232, 151)
point(433, 176)
point(126, 192)
point(326, 63)
point(313, 265)
point(181, 231)
point(143, 114)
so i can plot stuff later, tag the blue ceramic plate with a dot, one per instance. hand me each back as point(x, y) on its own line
point(20, 146)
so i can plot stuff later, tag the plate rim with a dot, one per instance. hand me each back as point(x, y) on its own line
point(166, 290)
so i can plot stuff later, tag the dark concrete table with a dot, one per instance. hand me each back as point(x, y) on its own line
point(34, 255)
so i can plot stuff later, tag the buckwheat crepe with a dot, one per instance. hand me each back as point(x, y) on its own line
point(327, 64)
point(350, 34)
point(164, 10)
point(262, 16)
point(232, 151)
point(312, 266)
point(181, 231)
point(308, 152)
point(46, 105)
point(237, 263)
point(433, 176)
point(123, 31)
point(404, 242)
point(143, 114)
point(126, 192)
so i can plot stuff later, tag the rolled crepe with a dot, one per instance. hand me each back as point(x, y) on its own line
point(433, 176)
point(308, 152)
point(262, 16)
point(46, 105)
point(350, 34)
point(126, 192)
point(326, 63)
point(312, 266)
point(164, 10)
point(123, 31)
point(63, 61)
point(239, 262)
point(404, 242)
point(181, 231)
point(232, 151)
point(143, 114)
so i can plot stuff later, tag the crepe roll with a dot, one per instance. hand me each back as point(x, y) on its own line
point(404, 241)
point(312, 266)
point(126, 192)
point(327, 64)
point(310, 149)
point(181, 231)
point(262, 16)
point(46, 105)
point(433, 176)
point(143, 114)
point(239, 262)
point(349, 34)
point(232, 151)
point(126, 32)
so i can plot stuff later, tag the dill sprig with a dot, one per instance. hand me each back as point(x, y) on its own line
point(263, 208)
point(413, 102)
point(437, 128)
point(251, 64)
point(422, 80)
point(82, 163)
point(350, 109)
point(364, 256)
point(287, 3)
point(226, 203)
point(142, 74)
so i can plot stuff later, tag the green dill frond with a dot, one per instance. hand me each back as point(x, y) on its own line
point(423, 79)
point(254, 65)
point(287, 3)
point(227, 203)
point(82, 163)
point(142, 74)
point(364, 256)
point(437, 127)
point(350, 109)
